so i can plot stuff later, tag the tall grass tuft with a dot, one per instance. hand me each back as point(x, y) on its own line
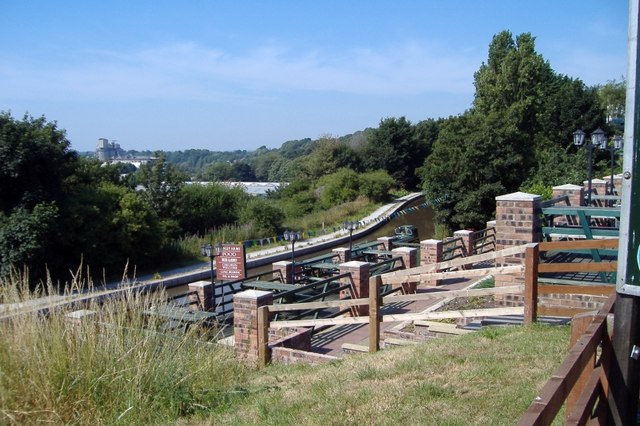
point(112, 368)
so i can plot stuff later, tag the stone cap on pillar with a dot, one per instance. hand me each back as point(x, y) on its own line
point(596, 181)
point(200, 284)
point(567, 187)
point(491, 223)
point(404, 249)
point(353, 264)
point(252, 294)
point(518, 196)
point(430, 241)
point(281, 263)
point(463, 232)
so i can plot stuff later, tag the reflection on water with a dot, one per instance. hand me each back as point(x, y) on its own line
point(421, 218)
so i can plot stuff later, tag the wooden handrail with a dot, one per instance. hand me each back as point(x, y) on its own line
point(552, 396)
point(578, 380)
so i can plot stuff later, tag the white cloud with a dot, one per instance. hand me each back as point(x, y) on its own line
point(188, 71)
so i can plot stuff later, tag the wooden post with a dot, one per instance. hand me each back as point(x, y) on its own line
point(531, 259)
point(579, 325)
point(374, 313)
point(264, 354)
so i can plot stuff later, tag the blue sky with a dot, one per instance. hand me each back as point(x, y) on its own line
point(225, 75)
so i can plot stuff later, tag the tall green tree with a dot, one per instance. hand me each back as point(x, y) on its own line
point(161, 184)
point(36, 164)
point(510, 130)
point(393, 147)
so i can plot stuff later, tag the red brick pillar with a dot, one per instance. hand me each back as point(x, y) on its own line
point(360, 283)
point(467, 241)
point(517, 223)
point(386, 242)
point(410, 258)
point(576, 199)
point(285, 268)
point(431, 252)
point(245, 322)
point(201, 296)
point(344, 255)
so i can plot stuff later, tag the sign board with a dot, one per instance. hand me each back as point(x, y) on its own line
point(628, 281)
point(231, 264)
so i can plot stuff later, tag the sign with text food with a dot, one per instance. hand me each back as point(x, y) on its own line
point(231, 265)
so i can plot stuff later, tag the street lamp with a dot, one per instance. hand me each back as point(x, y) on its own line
point(350, 226)
point(212, 251)
point(617, 145)
point(598, 140)
point(292, 236)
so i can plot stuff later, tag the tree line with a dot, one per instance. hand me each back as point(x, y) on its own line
point(59, 209)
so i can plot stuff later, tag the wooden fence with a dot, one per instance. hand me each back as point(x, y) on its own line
point(581, 380)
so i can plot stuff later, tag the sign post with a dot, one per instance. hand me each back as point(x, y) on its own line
point(231, 264)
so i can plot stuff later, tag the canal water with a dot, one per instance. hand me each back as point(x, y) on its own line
point(422, 218)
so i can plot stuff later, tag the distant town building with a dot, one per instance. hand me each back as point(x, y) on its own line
point(111, 152)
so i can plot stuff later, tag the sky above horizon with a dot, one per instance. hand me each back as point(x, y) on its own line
point(226, 75)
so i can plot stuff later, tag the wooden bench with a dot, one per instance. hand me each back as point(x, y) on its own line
point(182, 315)
point(268, 286)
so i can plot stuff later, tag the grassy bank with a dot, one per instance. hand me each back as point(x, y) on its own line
point(486, 378)
point(117, 370)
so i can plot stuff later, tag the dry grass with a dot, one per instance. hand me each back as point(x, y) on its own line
point(117, 370)
point(486, 378)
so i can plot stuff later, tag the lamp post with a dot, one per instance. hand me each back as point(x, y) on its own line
point(292, 236)
point(212, 251)
point(598, 140)
point(350, 226)
point(617, 145)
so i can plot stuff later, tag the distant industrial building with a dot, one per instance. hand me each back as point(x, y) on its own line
point(111, 152)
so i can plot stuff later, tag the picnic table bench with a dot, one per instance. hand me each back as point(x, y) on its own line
point(182, 314)
point(268, 285)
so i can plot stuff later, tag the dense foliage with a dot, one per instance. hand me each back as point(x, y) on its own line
point(516, 135)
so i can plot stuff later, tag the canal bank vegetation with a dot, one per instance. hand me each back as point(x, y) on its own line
point(114, 369)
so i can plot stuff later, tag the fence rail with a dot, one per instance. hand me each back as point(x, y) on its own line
point(581, 379)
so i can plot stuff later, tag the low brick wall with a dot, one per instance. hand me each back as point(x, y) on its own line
point(292, 356)
point(580, 301)
point(292, 338)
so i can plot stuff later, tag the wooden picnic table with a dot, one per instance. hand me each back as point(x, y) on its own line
point(268, 285)
point(180, 313)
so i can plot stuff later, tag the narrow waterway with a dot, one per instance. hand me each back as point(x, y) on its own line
point(421, 218)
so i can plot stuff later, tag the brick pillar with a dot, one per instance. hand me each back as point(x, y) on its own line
point(285, 268)
point(360, 278)
point(517, 223)
point(467, 241)
point(202, 300)
point(245, 322)
point(576, 199)
point(344, 255)
point(387, 243)
point(410, 258)
point(431, 252)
